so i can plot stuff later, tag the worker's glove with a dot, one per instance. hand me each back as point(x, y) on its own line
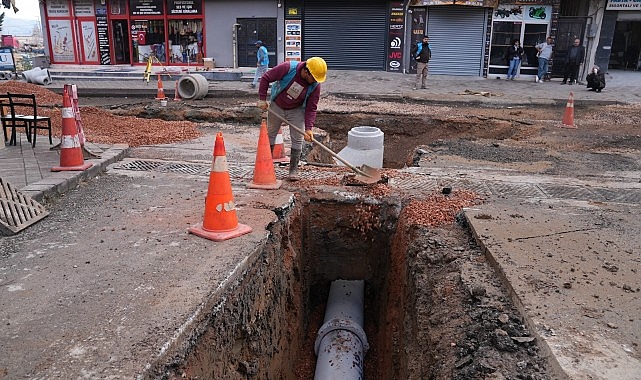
point(262, 105)
point(309, 135)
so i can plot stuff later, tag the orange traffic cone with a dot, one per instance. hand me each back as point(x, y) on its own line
point(176, 94)
point(568, 116)
point(220, 221)
point(71, 157)
point(264, 174)
point(278, 154)
point(161, 92)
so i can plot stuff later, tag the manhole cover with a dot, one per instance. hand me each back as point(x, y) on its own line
point(17, 211)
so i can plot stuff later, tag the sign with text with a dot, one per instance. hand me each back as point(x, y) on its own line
point(103, 40)
point(6, 59)
point(145, 7)
point(623, 5)
point(395, 37)
point(184, 7)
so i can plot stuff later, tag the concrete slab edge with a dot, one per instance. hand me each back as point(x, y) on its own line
point(557, 371)
point(60, 182)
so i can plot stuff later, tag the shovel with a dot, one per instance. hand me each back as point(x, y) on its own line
point(366, 174)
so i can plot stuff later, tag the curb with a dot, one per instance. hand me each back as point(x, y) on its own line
point(61, 182)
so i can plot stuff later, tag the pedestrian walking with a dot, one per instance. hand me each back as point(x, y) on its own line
point(513, 55)
point(262, 62)
point(294, 96)
point(422, 53)
point(576, 53)
point(544, 55)
point(596, 79)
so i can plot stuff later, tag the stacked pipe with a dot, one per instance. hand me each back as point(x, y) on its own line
point(341, 343)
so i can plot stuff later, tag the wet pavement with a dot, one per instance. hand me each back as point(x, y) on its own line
point(555, 241)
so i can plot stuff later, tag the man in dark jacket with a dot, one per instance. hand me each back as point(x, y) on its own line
point(422, 53)
point(576, 53)
point(596, 79)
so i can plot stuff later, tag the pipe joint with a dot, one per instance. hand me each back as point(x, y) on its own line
point(344, 325)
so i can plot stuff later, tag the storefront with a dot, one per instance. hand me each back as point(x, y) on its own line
point(458, 34)
point(125, 32)
point(347, 34)
point(625, 50)
point(530, 24)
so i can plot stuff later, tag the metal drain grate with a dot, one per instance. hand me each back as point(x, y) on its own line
point(569, 192)
point(195, 169)
point(17, 211)
point(619, 195)
point(140, 165)
point(515, 189)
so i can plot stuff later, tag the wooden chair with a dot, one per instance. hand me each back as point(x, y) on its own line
point(27, 102)
point(11, 120)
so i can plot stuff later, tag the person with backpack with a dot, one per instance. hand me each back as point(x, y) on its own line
point(294, 96)
point(422, 53)
point(262, 62)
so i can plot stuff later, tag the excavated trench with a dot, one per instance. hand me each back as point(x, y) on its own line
point(420, 320)
point(266, 326)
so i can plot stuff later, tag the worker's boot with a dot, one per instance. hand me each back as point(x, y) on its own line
point(293, 165)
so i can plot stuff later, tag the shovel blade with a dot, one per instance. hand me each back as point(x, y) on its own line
point(369, 175)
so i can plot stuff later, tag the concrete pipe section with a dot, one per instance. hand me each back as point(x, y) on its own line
point(364, 147)
point(37, 76)
point(341, 344)
point(192, 86)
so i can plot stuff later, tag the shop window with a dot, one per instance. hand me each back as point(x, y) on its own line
point(533, 35)
point(185, 41)
point(148, 40)
point(503, 35)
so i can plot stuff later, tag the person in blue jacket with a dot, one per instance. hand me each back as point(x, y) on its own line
point(262, 62)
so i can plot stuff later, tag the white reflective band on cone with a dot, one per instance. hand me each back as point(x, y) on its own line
point(219, 165)
point(67, 113)
point(69, 142)
point(279, 139)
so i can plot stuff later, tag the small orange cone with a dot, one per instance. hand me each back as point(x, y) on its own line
point(161, 92)
point(278, 154)
point(71, 157)
point(264, 174)
point(220, 221)
point(568, 116)
point(176, 94)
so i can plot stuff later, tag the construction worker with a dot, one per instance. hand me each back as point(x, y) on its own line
point(262, 62)
point(294, 96)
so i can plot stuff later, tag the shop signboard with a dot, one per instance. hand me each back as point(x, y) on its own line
point(530, 13)
point(83, 8)
point(293, 40)
point(58, 8)
point(6, 59)
point(473, 3)
point(395, 36)
point(146, 7)
point(184, 7)
point(103, 39)
point(623, 5)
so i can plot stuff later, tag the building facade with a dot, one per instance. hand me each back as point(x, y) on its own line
point(466, 37)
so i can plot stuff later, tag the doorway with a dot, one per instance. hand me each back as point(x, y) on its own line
point(121, 42)
point(569, 29)
point(251, 30)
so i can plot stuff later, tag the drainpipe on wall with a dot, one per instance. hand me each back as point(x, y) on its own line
point(341, 344)
point(234, 44)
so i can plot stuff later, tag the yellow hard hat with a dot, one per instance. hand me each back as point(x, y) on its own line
point(318, 68)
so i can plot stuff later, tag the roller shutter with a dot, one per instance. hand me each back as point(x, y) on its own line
point(456, 38)
point(347, 35)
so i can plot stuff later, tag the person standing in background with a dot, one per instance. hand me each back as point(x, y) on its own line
point(576, 53)
point(422, 53)
point(262, 62)
point(513, 55)
point(544, 54)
